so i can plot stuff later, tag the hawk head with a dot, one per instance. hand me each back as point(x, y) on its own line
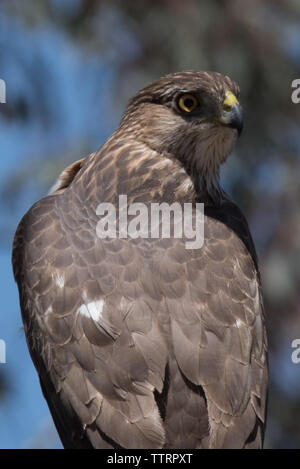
point(192, 116)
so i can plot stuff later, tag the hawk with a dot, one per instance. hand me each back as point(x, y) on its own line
point(141, 342)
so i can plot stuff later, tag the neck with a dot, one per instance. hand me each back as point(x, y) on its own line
point(195, 176)
point(199, 149)
point(208, 189)
point(144, 170)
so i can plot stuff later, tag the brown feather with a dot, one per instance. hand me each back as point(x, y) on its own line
point(142, 343)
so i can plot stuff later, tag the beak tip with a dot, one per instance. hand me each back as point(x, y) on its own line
point(236, 121)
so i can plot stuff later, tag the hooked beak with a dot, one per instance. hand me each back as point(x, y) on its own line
point(232, 113)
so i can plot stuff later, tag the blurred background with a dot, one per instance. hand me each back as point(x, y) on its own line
point(70, 66)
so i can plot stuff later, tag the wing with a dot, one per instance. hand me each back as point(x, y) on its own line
point(217, 329)
point(99, 354)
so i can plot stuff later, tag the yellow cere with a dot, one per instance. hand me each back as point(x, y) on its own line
point(230, 100)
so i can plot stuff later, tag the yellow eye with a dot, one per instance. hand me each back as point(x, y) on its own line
point(188, 103)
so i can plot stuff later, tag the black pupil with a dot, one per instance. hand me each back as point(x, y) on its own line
point(189, 102)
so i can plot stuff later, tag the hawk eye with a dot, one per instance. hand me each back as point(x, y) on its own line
point(188, 103)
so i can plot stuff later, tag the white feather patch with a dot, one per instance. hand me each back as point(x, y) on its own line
point(93, 309)
point(59, 280)
point(238, 323)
